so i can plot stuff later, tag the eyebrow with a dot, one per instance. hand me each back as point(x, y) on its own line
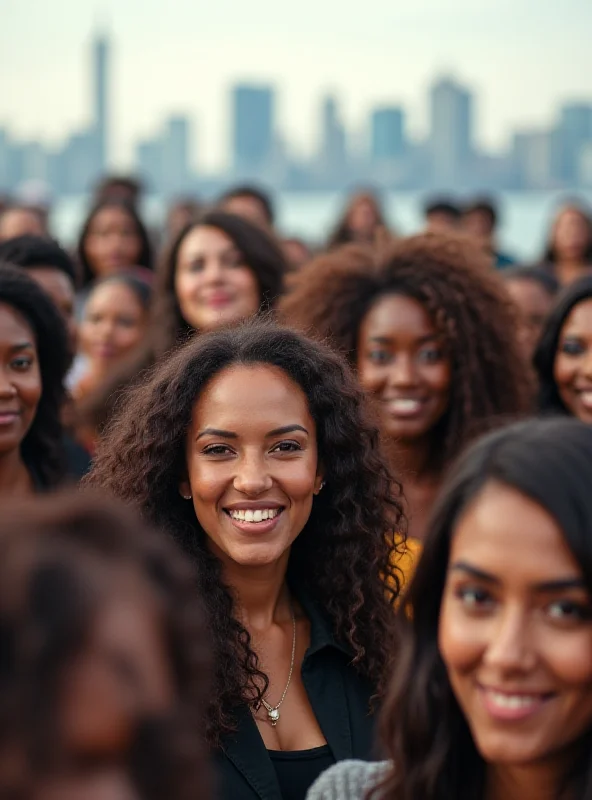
point(388, 339)
point(546, 587)
point(22, 346)
point(231, 435)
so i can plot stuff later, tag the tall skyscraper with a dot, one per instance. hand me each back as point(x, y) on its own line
point(100, 69)
point(333, 152)
point(253, 124)
point(387, 134)
point(175, 148)
point(575, 130)
point(451, 131)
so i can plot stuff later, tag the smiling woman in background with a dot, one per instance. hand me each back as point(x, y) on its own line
point(251, 447)
point(34, 358)
point(491, 698)
point(564, 355)
point(432, 336)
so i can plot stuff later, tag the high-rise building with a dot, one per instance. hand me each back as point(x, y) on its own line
point(100, 77)
point(387, 134)
point(451, 131)
point(253, 110)
point(575, 130)
point(333, 150)
point(175, 153)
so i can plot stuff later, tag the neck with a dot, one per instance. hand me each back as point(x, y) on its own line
point(519, 782)
point(412, 459)
point(14, 475)
point(261, 592)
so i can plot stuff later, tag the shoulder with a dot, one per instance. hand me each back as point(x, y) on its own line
point(348, 780)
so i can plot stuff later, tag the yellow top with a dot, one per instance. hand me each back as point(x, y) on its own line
point(407, 560)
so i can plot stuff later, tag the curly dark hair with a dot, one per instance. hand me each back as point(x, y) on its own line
point(145, 257)
point(261, 253)
point(423, 728)
point(352, 524)
point(41, 448)
point(58, 560)
point(451, 278)
point(34, 252)
point(544, 358)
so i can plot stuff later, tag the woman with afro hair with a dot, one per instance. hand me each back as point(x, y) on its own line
point(432, 335)
point(251, 447)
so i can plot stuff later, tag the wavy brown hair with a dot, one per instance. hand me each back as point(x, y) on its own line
point(344, 551)
point(452, 279)
point(58, 559)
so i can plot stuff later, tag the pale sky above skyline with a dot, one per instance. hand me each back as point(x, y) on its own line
point(522, 57)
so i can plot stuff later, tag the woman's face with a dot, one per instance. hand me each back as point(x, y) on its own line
point(515, 630)
point(122, 676)
point(252, 464)
point(363, 218)
point(113, 242)
point(213, 285)
point(20, 378)
point(534, 305)
point(114, 324)
point(572, 235)
point(403, 363)
point(573, 362)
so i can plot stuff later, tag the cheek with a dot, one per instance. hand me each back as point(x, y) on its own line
point(439, 378)
point(31, 389)
point(371, 377)
point(247, 290)
point(460, 642)
point(570, 658)
point(207, 481)
point(564, 369)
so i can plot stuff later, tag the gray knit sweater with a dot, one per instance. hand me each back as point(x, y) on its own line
point(348, 780)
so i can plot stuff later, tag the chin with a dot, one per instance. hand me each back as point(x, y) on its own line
point(255, 556)
point(510, 750)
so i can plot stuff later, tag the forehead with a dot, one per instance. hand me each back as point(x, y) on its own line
point(14, 325)
point(204, 238)
point(394, 314)
point(580, 317)
point(52, 277)
point(249, 397)
point(507, 534)
point(111, 294)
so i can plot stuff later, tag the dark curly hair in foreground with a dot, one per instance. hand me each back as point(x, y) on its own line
point(344, 552)
point(423, 728)
point(452, 279)
point(42, 446)
point(61, 561)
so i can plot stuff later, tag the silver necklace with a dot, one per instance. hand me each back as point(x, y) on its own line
point(273, 712)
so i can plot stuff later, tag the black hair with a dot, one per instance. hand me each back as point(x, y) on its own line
point(257, 193)
point(442, 205)
point(423, 728)
point(538, 275)
point(483, 205)
point(140, 288)
point(546, 352)
point(145, 257)
point(33, 252)
point(42, 446)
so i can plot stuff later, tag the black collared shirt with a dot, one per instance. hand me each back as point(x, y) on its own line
point(340, 699)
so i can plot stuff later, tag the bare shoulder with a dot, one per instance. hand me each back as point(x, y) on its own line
point(348, 780)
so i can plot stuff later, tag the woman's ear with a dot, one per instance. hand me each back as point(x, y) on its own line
point(319, 483)
point(185, 490)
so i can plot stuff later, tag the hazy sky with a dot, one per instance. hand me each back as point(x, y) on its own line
point(522, 56)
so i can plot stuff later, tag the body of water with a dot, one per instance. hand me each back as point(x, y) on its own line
point(524, 223)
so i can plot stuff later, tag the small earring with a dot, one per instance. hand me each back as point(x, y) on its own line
point(186, 496)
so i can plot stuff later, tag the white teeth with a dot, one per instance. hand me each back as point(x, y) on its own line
point(513, 701)
point(586, 398)
point(259, 515)
point(406, 406)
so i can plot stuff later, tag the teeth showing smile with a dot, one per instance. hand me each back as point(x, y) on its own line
point(404, 406)
point(513, 701)
point(260, 515)
point(586, 398)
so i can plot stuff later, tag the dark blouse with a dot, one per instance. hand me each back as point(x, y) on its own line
point(296, 771)
point(340, 699)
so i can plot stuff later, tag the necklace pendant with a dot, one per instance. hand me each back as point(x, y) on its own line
point(274, 716)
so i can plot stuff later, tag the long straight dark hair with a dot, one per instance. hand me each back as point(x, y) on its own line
point(423, 728)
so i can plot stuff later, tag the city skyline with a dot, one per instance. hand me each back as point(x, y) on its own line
point(522, 58)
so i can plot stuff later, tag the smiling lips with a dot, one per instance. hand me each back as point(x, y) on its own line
point(512, 706)
point(8, 417)
point(404, 406)
point(257, 517)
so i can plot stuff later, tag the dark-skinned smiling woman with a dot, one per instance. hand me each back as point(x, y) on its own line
point(252, 448)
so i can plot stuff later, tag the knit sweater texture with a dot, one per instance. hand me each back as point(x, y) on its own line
point(348, 780)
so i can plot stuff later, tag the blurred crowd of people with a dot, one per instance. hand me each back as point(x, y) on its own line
point(283, 521)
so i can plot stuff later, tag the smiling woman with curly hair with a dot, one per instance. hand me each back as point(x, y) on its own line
point(432, 334)
point(252, 448)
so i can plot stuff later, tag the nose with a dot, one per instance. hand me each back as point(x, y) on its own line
point(402, 371)
point(7, 388)
point(252, 476)
point(510, 648)
point(213, 272)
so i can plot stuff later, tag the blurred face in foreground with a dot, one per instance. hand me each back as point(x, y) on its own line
point(515, 632)
point(252, 464)
point(573, 362)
